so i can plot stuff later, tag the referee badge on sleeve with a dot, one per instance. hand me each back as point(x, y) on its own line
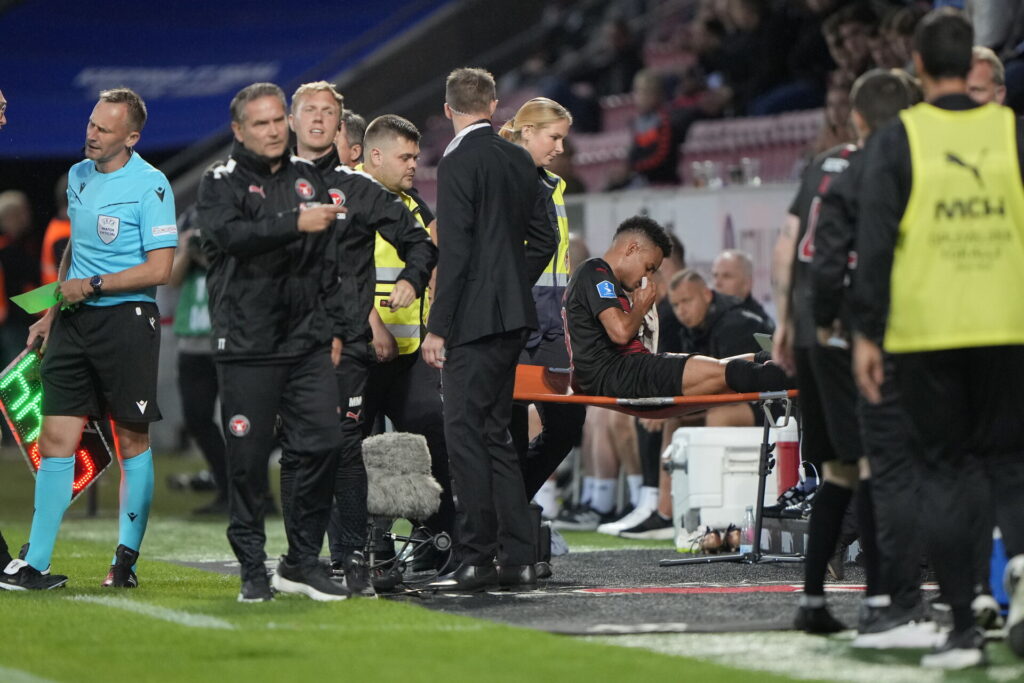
point(107, 228)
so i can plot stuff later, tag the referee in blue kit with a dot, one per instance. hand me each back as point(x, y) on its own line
point(103, 338)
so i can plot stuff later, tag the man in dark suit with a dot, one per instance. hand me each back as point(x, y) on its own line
point(494, 241)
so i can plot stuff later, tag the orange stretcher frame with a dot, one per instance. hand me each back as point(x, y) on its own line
point(551, 385)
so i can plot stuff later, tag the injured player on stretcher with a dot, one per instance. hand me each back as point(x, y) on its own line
point(605, 307)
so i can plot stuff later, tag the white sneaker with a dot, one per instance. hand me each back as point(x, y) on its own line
point(913, 635)
point(1015, 591)
point(960, 651)
point(647, 504)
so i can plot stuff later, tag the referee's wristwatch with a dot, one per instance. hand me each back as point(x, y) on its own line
point(96, 282)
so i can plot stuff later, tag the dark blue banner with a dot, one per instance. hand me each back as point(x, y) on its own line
point(187, 58)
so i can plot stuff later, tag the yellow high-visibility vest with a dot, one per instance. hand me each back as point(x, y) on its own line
point(405, 324)
point(958, 268)
point(557, 272)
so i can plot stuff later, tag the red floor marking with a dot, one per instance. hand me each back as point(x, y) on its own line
point(685, 590)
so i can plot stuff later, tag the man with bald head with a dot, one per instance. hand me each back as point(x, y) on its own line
point(733, 275)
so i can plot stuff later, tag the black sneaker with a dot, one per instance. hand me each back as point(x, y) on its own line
point(19, 575)
point(121, 574)
point(313, 581)
point(817, 621)
point(583, 518)
point(960, 651)
point(655, 527)
point(790, 497)
point(356, 574)
point(256, 589)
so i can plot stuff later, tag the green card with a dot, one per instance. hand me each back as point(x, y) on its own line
point(39, 299)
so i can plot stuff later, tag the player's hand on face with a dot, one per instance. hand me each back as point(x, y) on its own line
point(384, 345)
point(40, 330)
point(643, 297)
point(402, 295)
point(433, 350)
point(318, 218)
point(74, 291)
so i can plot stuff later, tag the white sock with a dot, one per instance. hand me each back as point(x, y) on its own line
point(587, 492)
point(878, 600)
point(634, 481)
point(546, 498)
point(648, 498)
point(602, 498)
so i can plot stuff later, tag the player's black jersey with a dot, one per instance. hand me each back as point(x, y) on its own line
point(807, 207)
point(592, 289)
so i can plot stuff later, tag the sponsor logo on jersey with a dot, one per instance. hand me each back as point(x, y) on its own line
point(304, 188)
point(606, 290)
point(239, 425)
point(160, 193)
point(107, 228)
point(142, 406)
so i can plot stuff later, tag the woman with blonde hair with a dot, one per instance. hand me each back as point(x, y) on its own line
point(539, 127)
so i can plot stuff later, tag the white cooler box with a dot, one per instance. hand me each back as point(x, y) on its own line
point(714, 475)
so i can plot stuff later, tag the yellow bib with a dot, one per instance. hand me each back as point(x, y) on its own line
point(958, 267)
point(557, 272)
point(405, 324)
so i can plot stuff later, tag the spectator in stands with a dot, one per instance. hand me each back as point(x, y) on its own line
point(57, 235)
point(986, 82)
point(733, 275)
point(837, 129)
point(890, 48)
point(654, 147)
point(349, 140)
point(20, 263)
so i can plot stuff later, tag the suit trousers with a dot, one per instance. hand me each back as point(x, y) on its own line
point(965, 406)
point(492, 513)
point(253, 395)
point(563, 423)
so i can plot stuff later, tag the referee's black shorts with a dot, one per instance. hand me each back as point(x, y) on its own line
point(102, 360)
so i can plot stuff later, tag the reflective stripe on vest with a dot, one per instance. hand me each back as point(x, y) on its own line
point(958, 267)
point(405, 324)
point(556, 274)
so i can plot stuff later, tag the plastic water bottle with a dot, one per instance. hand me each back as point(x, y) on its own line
point(747, 531)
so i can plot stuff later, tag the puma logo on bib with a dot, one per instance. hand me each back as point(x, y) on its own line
point(107, 228)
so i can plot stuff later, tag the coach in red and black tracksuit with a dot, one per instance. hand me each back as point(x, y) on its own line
point(274, 288)
point(370, 209)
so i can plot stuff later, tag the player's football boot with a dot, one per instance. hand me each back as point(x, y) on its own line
point(121, 574)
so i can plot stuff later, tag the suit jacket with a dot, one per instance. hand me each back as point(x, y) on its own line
point(494, 238)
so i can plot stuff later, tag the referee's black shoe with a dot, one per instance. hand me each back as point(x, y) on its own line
point(468, 578)
point(19, 575)
point(313, 581)
point(517, 578)
point(121, 574)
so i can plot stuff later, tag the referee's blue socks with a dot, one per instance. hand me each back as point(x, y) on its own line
point(53, 495)
point(136, 495)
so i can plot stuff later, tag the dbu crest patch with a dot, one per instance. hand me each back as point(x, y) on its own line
point(107, 227)
point(606, 290)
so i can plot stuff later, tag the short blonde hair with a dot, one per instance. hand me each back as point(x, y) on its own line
point(980, 53)
point(318, 86)
point(538, 112)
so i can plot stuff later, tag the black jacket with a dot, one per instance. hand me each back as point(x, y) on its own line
point(274, 291)
point(494, 235)
point(728, 329)
point(834, 239)
point(372, 209)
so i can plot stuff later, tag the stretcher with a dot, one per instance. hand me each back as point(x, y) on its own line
point(535, 383)
point(552, 385)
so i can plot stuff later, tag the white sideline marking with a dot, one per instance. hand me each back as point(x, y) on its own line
point(18, 676)
point(173, 616)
